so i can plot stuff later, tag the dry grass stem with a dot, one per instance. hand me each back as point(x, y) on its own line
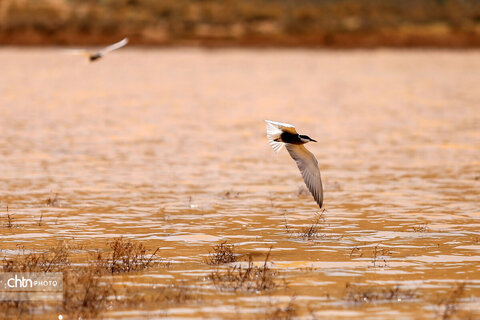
point(421, 228)
point(222, 253)
point(126, 256)
point(250, 278)
point(379, 257)
point(9, 221)
point(55, 259)
point(449, 303)
point(86, 293)
point(312, 232)
point(52, 201)
point(88, 290)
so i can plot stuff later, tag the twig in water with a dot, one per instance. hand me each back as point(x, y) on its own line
point(9, 221)
point(40, 220)
point(151, 257)
point(380, 253)
point(286, 222)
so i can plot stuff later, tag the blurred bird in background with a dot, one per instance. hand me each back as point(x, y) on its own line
point(93, 56)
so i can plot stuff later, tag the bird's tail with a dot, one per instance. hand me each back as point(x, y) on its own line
point(273, 133)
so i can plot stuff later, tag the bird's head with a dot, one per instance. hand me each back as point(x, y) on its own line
point(305, 138)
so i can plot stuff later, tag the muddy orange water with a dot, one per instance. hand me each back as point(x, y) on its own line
point(168, 147)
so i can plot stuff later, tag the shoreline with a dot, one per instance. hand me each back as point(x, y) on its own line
point(253, 23)
point(340, 41)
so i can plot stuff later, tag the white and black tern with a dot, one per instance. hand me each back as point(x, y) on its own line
point(93, 56)
point(280, 134)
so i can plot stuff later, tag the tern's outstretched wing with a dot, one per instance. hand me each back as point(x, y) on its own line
point(112, 47)
point(274, 130)
point(308, 165)
point(282, 126)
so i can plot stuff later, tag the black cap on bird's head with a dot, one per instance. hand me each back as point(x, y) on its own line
point(305, 138)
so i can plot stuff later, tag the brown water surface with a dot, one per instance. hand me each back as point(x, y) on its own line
point(168, 147)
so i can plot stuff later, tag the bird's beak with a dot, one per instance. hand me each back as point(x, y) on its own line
point(313, 140)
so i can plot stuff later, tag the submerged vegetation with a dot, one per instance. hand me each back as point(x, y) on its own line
point(345, 23)
point(52, 260)
point(93, 283)
point(8, 217)
point(222, 253)
point(369, 294)
point(378, 255)
point(126, 256)
point(93, 279)
point(52, 200)
point(282, 312)
point(249, 277)
point(449, 304)
point(88, 290)
point(312, 231)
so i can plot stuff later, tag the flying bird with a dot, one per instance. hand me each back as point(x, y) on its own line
point(93, 56)
point(280, 134)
